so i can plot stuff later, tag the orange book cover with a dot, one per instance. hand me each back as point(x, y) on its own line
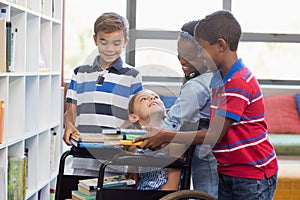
point(1, 119)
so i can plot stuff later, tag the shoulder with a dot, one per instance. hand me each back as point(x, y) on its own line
point(84, 69)
point(129, 70)
point(245, 82)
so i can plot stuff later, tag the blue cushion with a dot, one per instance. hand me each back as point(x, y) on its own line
point(168, 100)
point(297, 99)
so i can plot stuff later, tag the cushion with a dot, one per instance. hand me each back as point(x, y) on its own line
point(297, 99)
point(285, 144)
point(281, 114)
point(168, 100)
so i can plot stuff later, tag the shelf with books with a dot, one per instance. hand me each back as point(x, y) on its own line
point(18, 19)
point(33, 99)
point(31, 144)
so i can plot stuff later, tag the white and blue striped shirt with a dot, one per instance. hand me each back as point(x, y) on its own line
point(101, 99)
point(102, 105)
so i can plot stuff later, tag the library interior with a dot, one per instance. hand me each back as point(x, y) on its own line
point(77, 79)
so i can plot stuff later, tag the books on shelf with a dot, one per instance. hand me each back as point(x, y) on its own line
point(16, 178)
point(52, 148)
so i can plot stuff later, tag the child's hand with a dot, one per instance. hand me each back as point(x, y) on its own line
point(155, 139)
point(69, 129)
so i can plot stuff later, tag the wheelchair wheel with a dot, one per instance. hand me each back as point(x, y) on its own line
point(186, 194)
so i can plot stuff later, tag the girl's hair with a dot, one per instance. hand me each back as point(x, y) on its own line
point(189, 27)
point(187, 31)
point(110, 22)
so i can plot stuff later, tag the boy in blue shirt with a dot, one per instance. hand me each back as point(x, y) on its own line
point(98, 95)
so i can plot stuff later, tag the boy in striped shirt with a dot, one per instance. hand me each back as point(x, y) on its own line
point(238, 133)
point(98, 94)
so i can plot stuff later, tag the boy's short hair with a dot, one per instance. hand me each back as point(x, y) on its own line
point(220, 24)
point(110, 22)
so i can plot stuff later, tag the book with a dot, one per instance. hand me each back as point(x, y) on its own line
point(52, 149)
point(15, 178)
point(130, 143)
point(132, 132)
point(88, 191)
point(8, 46)
point(109, 131)
point(26, 151)
point(108, 182)
point(80, 196)
point(80, 144)
point(2, 45)
point(95, 137)
point(89, 184)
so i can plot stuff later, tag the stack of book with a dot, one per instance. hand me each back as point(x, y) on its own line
point(87, 188)
point(107, 139)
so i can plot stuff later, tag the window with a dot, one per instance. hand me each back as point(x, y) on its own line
point(170, 14)
point(267, 16)
point(270, 44)
point(79, 21)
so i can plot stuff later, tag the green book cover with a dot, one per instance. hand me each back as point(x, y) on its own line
point(8, 46)
point(78, 195)
point(15, 178)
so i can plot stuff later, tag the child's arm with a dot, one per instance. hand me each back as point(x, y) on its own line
point(69, 122)
point(175, 150)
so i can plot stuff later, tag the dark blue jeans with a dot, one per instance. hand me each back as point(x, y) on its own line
point(232, 188)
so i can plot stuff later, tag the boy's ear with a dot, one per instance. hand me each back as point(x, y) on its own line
point(133, 118)
point(95, 39)
point(222, 44)
point(126, 39)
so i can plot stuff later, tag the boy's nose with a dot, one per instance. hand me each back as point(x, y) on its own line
point(152, 97)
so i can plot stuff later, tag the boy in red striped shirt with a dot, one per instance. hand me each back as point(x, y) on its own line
point(247, 162)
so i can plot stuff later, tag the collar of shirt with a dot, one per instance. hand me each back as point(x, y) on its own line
point(115, 67)
point(217, 80)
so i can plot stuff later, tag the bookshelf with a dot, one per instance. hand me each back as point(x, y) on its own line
point(33, 96)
